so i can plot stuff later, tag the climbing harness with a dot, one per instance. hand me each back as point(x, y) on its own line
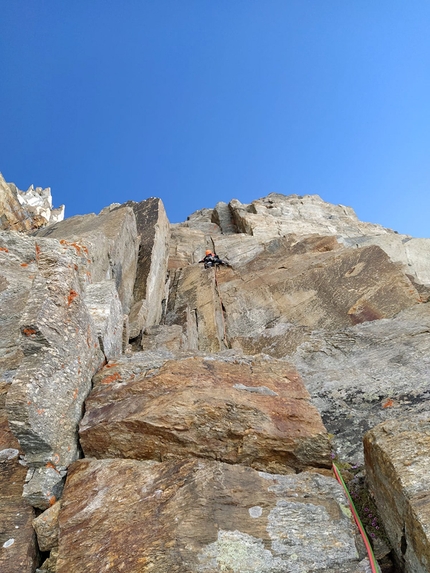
point(373, 563)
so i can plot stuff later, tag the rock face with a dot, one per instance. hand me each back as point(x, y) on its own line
point(154, 231)
point(398, 467)
point(24, 211)
point(215, 517)
point(255, 413)
point(361, 376)
point(45, 398)
point(209, 402)
point(18, 549)
point(109, 241)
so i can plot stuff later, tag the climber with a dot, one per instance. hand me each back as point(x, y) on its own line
point(212, 260)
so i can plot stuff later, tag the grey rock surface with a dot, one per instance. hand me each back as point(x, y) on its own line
point(59, 353)
point(110, 243)
point(361, 376)
point(105, 309)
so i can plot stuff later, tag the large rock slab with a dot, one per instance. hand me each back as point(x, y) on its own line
point(59, 353)
point(361, 376)
point(199, 516)
point(255, 413)
point(18, 549)
point(109, 241)
point(412, 253)
point(397, 455)
point(294, 286)
point(18, 267)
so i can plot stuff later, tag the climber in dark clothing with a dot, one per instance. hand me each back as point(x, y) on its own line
point(211, 260)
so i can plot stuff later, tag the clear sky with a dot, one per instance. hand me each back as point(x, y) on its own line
point(200, 101)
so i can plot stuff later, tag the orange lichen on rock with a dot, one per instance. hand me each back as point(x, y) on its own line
point(388, 403)
point(72, 295)
point(29, 331)
point(4, 249)
point(111, 378)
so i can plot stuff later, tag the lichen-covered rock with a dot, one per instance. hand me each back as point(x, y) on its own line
point(58, 354)
point(256, 413)
point(110, 243)
point(18, 550)
point(397, 456)
point(214, 517)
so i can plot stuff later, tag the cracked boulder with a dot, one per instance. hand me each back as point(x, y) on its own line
point(214, 517)
point(110, 243)
point(254, 412)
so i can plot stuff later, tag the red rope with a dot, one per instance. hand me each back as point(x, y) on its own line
point(373, 563)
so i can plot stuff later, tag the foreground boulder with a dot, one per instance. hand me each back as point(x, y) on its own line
point(397, 455)
point(200, 516)
point(18, 549)
point(255, 413)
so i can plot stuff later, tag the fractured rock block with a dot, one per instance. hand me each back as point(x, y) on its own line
point(196, 516)
point(154, 230)
point(194, 304)
point(60, 353)
point(397, 456)
point(257, 414)
point(105, 308)
point(110, 243)
point(47, 528)
point(18, 550)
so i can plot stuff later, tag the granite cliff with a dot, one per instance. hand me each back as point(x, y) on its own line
point(156, 416)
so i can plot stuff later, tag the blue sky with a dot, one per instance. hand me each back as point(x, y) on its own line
point(200, 101)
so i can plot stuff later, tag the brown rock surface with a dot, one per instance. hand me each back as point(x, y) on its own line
point(18, 551)
point(397, 456)
point(194, 304)
point(269, 303)
point(47, 528)
point(201, 516)
point(255, 413)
